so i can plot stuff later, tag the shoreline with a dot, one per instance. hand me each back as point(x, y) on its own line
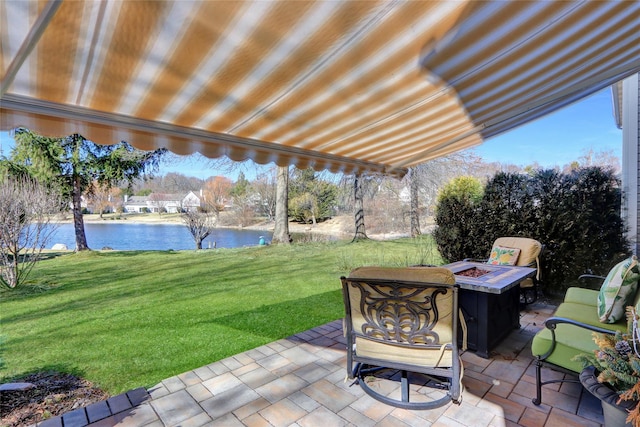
point(337, 226)
point(329, 227)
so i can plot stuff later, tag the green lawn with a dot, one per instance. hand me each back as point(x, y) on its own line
point(129, 319)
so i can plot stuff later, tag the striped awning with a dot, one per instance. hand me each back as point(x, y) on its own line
point(343, 85)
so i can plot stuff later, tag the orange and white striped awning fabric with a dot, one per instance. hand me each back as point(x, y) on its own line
point(343, 85)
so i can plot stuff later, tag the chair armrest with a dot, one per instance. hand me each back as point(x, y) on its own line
point(591, 276)
point(591, 281)
point(552, 322)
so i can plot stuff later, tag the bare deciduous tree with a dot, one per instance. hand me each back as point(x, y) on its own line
point(414, 212)
point(281, 228)
point(26, 227)
point(265, 188)
point(605, 159)
point(359, 209)
point(104, 198)
point(200, 225)
point(216, 193)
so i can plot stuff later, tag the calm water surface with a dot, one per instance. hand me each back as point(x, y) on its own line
point(124, 237)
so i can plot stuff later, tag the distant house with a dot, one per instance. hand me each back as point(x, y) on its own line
point(192, 202)
point(162, 202)
point(136, 204)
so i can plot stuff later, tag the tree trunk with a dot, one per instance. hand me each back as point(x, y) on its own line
point(281, 229)
point(414, 212)
point(78, 221)
point(359, 209)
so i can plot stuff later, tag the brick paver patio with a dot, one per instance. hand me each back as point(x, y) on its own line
point(300, 381)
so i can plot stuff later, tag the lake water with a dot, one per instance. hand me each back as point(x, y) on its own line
point(122, 236)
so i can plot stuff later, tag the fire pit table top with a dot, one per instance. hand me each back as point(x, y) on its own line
point(482, 277)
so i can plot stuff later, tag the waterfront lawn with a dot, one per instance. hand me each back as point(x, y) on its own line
point(131, 319)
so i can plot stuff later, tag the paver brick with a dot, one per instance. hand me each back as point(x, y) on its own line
point(142, 415)
point(251, 408)
point(176, 407)
point(532, 418)
point(189, 378)
point(119, 403)
point(199, 392)
point(228, 401)
point(51, 422)
point(281, 387)
point(501, 406)
point(256, 420)
point(322, 417)
point(558, 417)
point(158, 391)
point(98, 411)
point(138, 396)
point(469, 415)
point(222, 383)
point(283, 413)
point(257, 377)
point(356, 418)
point(174, 384)
point(312, 372)
point(299, 356)
point(75, 418)
point(106, 422)
point(231, 363)
point(371, 408)
point(204, 373)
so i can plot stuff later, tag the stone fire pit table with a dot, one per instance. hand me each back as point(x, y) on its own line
point(490, 300)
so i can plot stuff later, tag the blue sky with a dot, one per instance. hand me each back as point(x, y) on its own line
point(554, 140)
point(561, 137)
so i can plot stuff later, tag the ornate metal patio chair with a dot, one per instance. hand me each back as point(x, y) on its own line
point(402, 325)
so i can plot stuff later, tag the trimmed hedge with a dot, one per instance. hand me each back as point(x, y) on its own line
point(575, 215)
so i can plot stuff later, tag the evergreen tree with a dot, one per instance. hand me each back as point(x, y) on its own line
point(311, 198)
point(241, 187)
point(73, 163)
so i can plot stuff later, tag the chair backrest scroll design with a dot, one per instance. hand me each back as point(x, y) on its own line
point(395, 312)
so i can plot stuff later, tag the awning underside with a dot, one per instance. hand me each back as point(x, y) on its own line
point(340, 85)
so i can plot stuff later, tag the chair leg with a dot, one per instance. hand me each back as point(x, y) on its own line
point(538, 398)
point(528, 295)
point(404, 402)
point(404, 386)
point(540, 383)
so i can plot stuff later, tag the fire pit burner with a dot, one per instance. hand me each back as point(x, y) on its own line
point(473, 272)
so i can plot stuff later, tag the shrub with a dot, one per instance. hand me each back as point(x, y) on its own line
point(462, 187)
point(455, 217)
point(575, 215)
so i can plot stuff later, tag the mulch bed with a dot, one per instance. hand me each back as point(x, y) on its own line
point(54, 394)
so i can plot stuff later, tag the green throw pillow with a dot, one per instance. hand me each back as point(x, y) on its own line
point(618, 290)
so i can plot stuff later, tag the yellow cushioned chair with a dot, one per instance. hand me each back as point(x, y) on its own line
point(530, 251)
point(402, 324)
